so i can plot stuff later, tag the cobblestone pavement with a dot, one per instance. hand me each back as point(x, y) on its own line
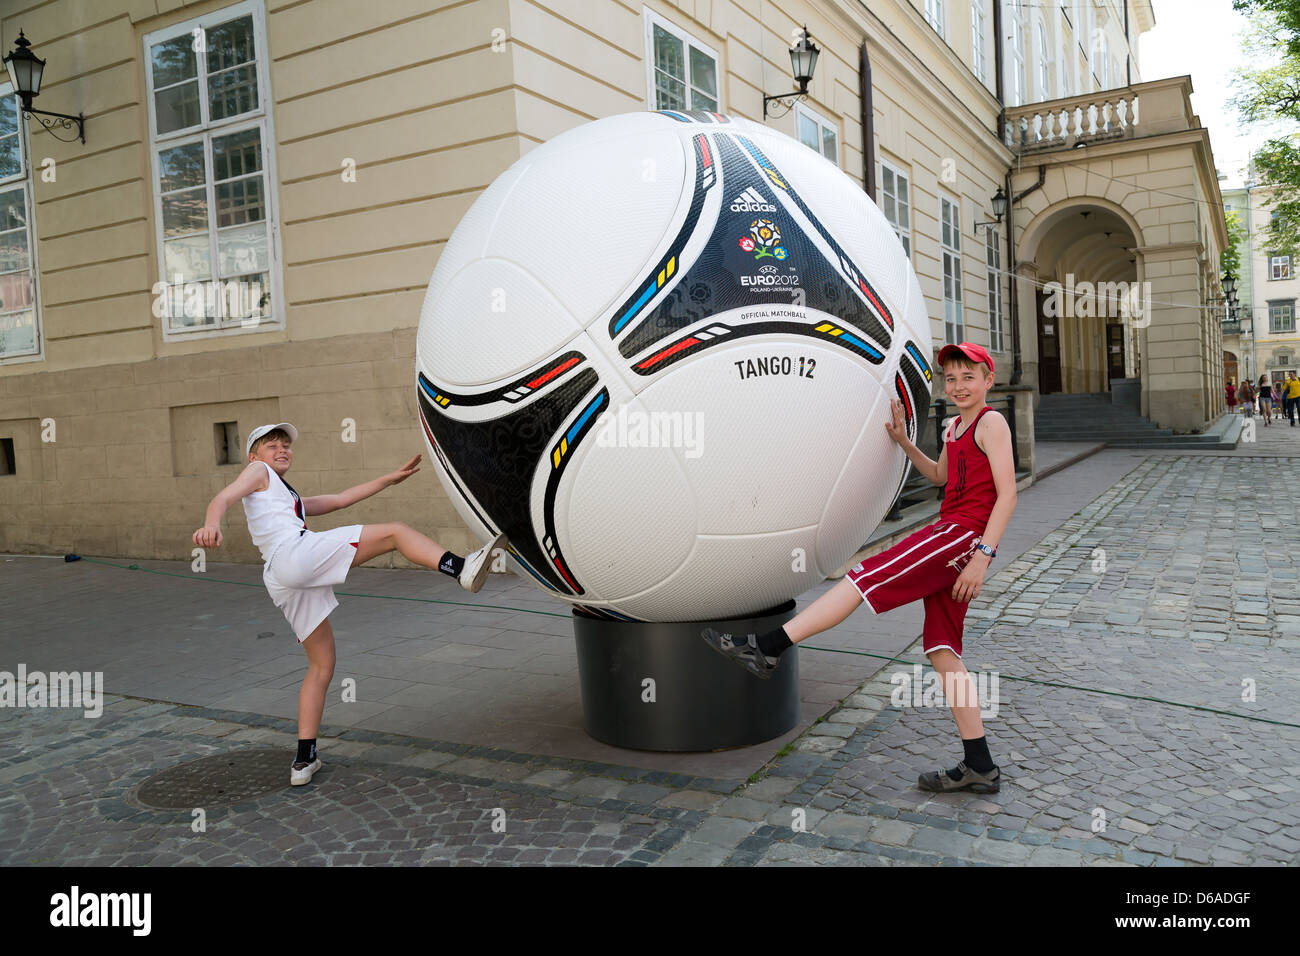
point(1147, 655)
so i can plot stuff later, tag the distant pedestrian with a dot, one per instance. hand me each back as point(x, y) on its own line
point(1277, 401)
point(1265, 399)
point(1292, 386)
point(1246, 399)
point(1231, 391)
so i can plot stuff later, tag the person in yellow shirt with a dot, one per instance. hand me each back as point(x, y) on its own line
point(1291, 390)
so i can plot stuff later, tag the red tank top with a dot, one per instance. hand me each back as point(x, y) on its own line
point(969, 495)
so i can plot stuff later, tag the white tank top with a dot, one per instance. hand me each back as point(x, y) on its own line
point(275, 515)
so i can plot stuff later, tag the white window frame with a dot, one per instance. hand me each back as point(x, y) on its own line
point(650, 21)
point(1274, 308)
point(902, 230)
point(934, 15)
point(823, 124)
point(1017, 58)
point(23, 180)
point(1279, 267)
point(978, 27)
point(1064, 85)
point(260, 119)
point(993, 263)
point(950, 271)
point(1044, 69)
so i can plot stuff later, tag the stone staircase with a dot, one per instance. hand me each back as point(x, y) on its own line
point(1090, 416)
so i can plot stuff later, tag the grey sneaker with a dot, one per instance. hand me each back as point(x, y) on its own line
point(743, 650)
point(941, 782)
point(476, 567)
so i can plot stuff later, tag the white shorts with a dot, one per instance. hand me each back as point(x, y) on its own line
point(301, 575)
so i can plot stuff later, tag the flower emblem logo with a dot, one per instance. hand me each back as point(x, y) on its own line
point(763, 236)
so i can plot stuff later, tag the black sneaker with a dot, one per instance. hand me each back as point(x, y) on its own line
point(941, 782)
point(743, 650)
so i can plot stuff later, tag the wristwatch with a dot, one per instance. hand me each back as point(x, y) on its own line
point(985, 549)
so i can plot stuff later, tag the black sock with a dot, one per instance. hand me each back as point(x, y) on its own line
point(773, 643)
point(306, 751)
point(977, 755)
point(451, 564)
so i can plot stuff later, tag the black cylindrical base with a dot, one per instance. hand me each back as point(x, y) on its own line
point(658, 686)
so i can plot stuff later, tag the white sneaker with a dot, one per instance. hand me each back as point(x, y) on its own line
point(476, 567)
point(299, 777)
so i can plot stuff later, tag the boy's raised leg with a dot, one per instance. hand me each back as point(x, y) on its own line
point(760, 653)
point(824, 613)
point(470, 571)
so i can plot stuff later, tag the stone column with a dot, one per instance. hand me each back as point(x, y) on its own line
point(1174, 381)
point(1027, 307)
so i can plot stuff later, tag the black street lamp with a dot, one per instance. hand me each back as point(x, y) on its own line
point(25, 72)
point(999, 210)
point(803, 60)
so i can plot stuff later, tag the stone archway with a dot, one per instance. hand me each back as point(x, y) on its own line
point(1079, 336)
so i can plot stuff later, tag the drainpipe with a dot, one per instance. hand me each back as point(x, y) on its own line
point(997, 71)
point(868, 123)
point(1016, 368)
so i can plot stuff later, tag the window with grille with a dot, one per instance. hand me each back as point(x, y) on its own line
point(19, 315)
point(934, 15)
point(979, 60)
point(894, 203)
point(817, 133)
point(993, 260)
point(950, 244)
point(1281, 316)
point(209, 131)
point(683, 71)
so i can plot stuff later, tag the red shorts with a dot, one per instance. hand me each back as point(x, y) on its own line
point(922, 567)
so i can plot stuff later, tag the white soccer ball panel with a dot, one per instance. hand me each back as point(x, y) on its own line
point(629, 516)
point(493, 320)
point(766, 438)
point(589, 218)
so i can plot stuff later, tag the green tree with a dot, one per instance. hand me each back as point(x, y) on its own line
point(1268, 91)
point(1230, 258)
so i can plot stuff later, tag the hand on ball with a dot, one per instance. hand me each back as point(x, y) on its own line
point(897, 428)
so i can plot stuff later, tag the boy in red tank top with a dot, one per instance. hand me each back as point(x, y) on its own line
point(942, 565)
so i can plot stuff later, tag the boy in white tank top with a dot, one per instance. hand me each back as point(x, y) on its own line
point(302, 566)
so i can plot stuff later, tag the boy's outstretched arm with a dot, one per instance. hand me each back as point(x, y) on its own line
point(935, 472)
point(253, 478)
point(995, 439)
point(324, 504)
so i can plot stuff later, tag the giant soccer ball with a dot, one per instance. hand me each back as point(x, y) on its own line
point(658, 352)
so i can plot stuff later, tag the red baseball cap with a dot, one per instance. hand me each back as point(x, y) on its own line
point(976, 353)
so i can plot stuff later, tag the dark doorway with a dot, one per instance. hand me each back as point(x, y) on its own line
point(1049, 349)
point(1114, 352)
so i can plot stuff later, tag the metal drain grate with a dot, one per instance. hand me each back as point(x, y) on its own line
point(219, 780)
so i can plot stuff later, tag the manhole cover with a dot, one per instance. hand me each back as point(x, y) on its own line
point(217, 780)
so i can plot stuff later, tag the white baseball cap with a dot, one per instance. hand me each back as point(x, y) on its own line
point(261, 430)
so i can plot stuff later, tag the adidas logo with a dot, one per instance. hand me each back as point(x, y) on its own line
point(447, 565)
point(751, 201)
